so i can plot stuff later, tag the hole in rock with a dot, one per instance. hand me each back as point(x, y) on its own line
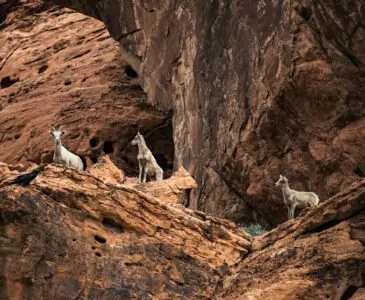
point(351, 290)
point(97, 254)
point(113, 225)
point(359, 171)
point(73, 239)
point(108, 147)
point(325, 226)
point(94, 159)
point(94, 142)
point(306, 13)
point(7, 81)
point(93, 247)
point(130, 72)
point(42, 69)
point(99, 239)
point(67, 82)
point(84, 162)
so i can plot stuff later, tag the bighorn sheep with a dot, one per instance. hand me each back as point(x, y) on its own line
point(147, 163)
point(293, 199)
point(61, 154)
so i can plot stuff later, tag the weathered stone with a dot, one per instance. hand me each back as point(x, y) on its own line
point(69, 235)
point(252, 82)
point(61, 67)
point(319, 255)
point(105, 170)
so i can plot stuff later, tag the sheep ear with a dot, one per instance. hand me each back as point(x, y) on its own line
point(51, 132)
point(63, 132)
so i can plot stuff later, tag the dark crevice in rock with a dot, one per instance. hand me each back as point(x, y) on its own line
point(7, 82)
point(108, 147)
point(42, 69)
point(124, 35)
point(130, 72)
point(99, 239)
point(359, 171)
point(350, 291)
point(84, 161)
point(325, 226)
point(94, 142)
point(94, 158)
point(112, 225)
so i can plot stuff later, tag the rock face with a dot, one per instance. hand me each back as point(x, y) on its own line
point(320, 255)
point(61, 67)
point(105, 170)
point(69, 235)
point(257, 88)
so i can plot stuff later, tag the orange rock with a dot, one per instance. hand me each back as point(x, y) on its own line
point(105, 170)
point(73, 232)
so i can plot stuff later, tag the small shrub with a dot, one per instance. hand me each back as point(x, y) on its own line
point(254, 229)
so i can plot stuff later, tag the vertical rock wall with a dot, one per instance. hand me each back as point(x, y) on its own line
point(257, 88)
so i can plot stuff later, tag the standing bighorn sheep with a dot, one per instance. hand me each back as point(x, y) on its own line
point(61, 154)
point(146, 161)
point(293, 199)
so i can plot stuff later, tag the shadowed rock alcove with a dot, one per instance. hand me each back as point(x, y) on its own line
point(160, 141)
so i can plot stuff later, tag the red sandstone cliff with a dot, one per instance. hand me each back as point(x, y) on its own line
point(74, 235)
point(247, 89)
point(257, 88)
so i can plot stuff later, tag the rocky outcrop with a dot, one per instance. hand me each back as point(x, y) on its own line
point(77, 237)
point(71, 235)
point(257, 88)
point(105, 170)
point(61, 67)
point(175, 189)
point(320, 255)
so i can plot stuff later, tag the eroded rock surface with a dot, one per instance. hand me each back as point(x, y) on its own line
point(59, 67)
point(258, 88)
point(175, 189)
point(68, 235)
point(319, 255)
point(105, 170)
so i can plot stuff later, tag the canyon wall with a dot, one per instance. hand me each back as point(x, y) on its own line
point(257, 88)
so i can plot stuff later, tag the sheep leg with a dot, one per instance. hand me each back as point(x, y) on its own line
point(288, 208)
point(159, 176)
point(145, 173)
point(140, 171)
point(292, 211)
